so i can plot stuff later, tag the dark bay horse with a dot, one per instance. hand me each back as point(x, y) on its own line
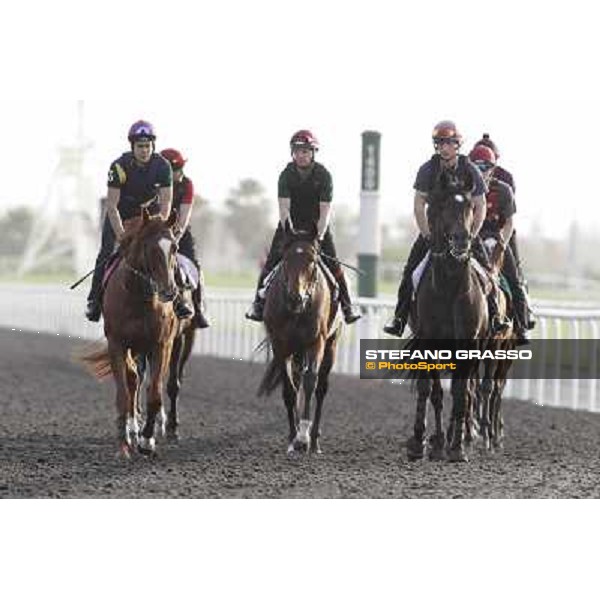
point(299, 317)
point(450, 305)
point(139, 320)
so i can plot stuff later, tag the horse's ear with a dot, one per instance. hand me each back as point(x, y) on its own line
point(145, 215)
point(287, 228)
point(172, 218)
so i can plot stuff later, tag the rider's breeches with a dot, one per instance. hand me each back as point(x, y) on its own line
point(107, 247)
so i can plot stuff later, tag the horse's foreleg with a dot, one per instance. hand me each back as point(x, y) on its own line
point(119, 369)
point(320, 393)
point(133, 385)
point(437, 440)
point(158, 362)
point(460, 391)
point(312, 361)
point(415, 447)
point(289, 398)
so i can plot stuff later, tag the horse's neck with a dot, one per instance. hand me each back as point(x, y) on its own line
point(452, 276)
point(134, 284)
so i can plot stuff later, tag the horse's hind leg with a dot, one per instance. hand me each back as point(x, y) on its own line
point(415, 447)
point(487, 394)
point(470, 422)
point(173, 388)
point(437, 441)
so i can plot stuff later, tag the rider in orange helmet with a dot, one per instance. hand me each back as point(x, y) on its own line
point(447, 141)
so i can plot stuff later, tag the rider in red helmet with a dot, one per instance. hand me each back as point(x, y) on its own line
point(137, 179)
point(447, 141)
point(183, 201)
point(498, 226)
point(305, 193)
point(499, 172)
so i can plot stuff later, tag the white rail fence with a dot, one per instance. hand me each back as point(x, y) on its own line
point(54, 309)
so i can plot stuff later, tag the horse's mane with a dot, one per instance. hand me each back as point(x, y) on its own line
point(138, 230)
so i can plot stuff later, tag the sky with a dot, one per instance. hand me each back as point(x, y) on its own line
point(228, 82)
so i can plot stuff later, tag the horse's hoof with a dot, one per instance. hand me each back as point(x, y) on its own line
point(147, 446)
point(124, 452)
point(315, 448)
point(173, 436)
point(300, 446)
point(436, 453)
point(457, 455)
point(415, 450)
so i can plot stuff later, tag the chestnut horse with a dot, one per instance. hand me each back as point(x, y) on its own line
point(139, 320)
point(299, 317)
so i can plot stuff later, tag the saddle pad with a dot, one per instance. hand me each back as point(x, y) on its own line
point(268, 280)
point(418, 272)
point(189, 272)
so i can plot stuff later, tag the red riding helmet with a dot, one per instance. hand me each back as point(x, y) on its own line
point(174, 157)
point(446, 130)
point(486, 141)
point(483, 154)
point(304, 139)
point(141, 130)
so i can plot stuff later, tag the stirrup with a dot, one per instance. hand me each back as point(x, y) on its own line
point(255, 312)
point(93, 311)
point(182, 309)
point(200, 321)
point(351, 314)
point(395, 327)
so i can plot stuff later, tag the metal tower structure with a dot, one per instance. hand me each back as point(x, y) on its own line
point(65, 228)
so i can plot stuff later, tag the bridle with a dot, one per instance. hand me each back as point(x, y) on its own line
point(151, 285)
point(451, 249)
point(307, 296)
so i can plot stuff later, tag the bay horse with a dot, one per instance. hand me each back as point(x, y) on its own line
point(495, 372)
point(450, 304)
point(139, 320)
point(300, 319)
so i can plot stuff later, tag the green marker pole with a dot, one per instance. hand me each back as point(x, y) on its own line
point(369, 231)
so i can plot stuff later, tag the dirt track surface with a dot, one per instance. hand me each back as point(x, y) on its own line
point(57, 439)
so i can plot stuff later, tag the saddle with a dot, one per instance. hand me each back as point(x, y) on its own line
point(333, 286)
point(187, 273)
point(488, 282)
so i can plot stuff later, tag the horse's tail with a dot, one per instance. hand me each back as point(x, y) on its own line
point(95, 359)
point(272, 378)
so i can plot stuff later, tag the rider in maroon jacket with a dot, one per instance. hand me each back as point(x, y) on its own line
point(183, 202)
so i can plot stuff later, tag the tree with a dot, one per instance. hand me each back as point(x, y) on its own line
point(15, 226)
point(248, 218)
